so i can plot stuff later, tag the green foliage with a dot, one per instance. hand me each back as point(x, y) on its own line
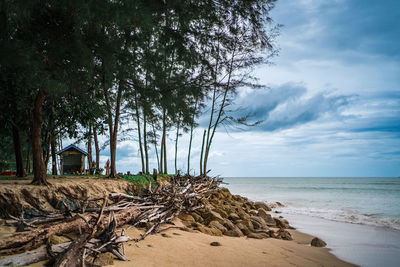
point(102, 63)
point(142, 180)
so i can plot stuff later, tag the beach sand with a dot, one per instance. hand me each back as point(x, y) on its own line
point(175, 247)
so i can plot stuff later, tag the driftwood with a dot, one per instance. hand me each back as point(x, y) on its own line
point(74, 254)
point(32, 256)
point(42, 254)
point(20, 242)
point(164, 203)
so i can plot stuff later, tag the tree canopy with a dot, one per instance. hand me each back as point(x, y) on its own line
point(73, 67)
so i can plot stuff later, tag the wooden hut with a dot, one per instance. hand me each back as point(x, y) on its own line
point(72, 160)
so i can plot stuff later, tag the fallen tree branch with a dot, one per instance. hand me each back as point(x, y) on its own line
point(21, 242)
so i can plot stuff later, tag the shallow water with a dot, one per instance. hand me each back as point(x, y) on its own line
point(372, 201)
point(359, 218)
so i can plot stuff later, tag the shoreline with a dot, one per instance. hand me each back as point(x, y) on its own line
point(360, 244)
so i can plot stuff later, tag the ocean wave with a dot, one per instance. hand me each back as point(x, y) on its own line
point(340, 215)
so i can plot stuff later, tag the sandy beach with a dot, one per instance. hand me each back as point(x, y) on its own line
point(175, 247)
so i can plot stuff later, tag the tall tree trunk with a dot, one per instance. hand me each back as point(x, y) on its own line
point(162, 154)
point(201, 155)
point(39, 169)
point(146, 152)
point(18, 152)
point(97, 148)
point(155, 148)
point(113, 121)
point(139, 133)
point(189, 150)
point(46, 150)
point(176, 148)
point(28, 161)
point(53, 156)
point(164, 143)
point(89, 150)
point(113, 172)
point(221, 109)
point(190, 140)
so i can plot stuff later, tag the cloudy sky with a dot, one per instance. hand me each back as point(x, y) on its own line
point(333, 103)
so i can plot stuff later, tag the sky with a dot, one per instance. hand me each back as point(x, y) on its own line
point(332, 106)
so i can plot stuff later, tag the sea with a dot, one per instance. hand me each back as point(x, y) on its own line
point(359, 218)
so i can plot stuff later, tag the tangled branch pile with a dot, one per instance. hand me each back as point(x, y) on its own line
point(97, 226)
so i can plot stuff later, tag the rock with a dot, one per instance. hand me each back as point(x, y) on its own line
point(225, 193)
point(208, 230)
point(238, 198)
point(258, 223)
point(165, 235)
point(249, 225)
point(217, 225)
point(258, 235)
point(215, 244)
point(262, 205)
point(228, 224)
point(186, 217)
point(316, 242)
point(197, 217)
point(243, 228)
point(283, 234)
point(56, 239)
point(253, 212)
point(104, 259)
point(233, 216)
point(243, 215)
point(235, 232)
point(221, 212)
point(267, 217)
point(212, 216)
point(281, 223)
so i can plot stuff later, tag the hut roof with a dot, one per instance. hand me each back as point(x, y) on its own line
point(72, 146)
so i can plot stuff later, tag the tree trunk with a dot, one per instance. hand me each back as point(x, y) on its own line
point(46, 152)
point(53, 157)
point(112, 120)
point(39, 169)
point(201, 155)
point(18, 152)
point(221, 109)
point(176, 147)
point(164, 144)
point(96, 145)
point(113, 151)
point(28, 161)
point(146, 152)
point(189, 150)
point(89, 150)
point(113, 144)
point(155, 148)
point(162, 154)
point(139, 133)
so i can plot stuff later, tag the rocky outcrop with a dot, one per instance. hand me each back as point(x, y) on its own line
point(235, 216)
